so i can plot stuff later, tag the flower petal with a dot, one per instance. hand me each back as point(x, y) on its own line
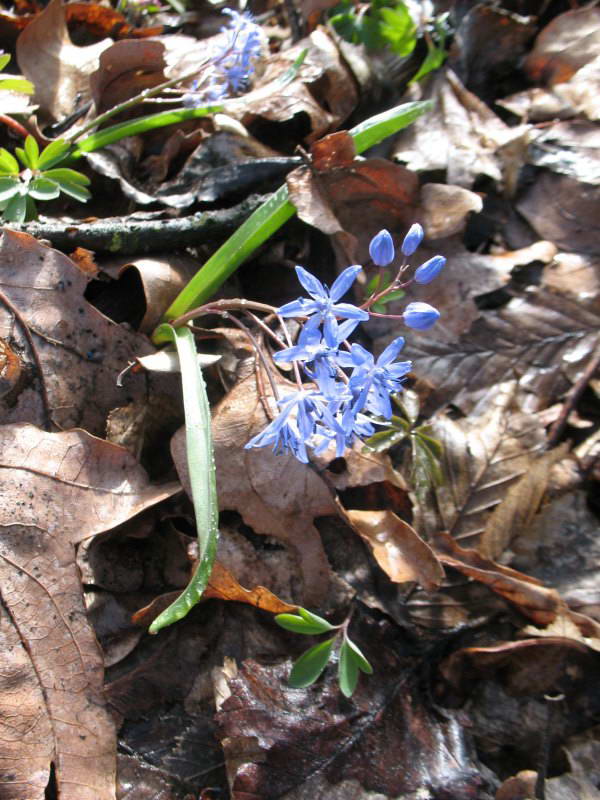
point(312, 285)
point(344, 281)
point(390, 352)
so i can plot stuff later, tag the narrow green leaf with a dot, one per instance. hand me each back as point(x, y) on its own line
point(395, 294)
point(17, 85)
point(8, 187)
point(347, 670)
point(8, 163)
point(33, 152)
point(22, 156)
point(4, 59)
point(16, 210)
point(433, 445)
point(53, 154)
point(315, 619)
point(295, 623)
point(201, 468)
point(357, 655)
point(43, 189)
point(140, 125)
point(310, 665)
point(66, 174)
point(74, 190)
point(382, 441)
point(263, 222)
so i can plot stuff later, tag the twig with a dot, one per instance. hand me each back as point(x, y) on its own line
point(572, 397)
point(131, 236)
point(14, 126)
point(49, 422)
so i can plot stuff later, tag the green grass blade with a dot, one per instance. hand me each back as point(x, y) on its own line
point(139, 125)
point(272, 215)
point(201, 468)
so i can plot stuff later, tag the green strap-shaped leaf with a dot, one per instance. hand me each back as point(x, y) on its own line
point(273, 213)
point(33, 151)
point(8, 163)
point(201, 468)
point(53, 154)
point(347, 670)
point(8, 187)
point(17, 85)
point(43, 189)
point(310, 665)
point(304, 622)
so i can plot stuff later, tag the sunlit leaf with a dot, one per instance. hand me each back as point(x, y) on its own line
point(311, 664)
point(54, 154)
point(22, 156)
point(74, 190)
point(17, 85)
point(8, 163)
point(16, 210)
point(358, 657)
point(43, 189)
point(4, 59)
point(295, 623)
point(33, 152)
point(8, 187)
point(66, 174)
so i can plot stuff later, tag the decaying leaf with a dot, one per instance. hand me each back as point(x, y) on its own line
point(223, 586)
point(58, 69)
point(481, 459)
point(58, 489)
point(281, 742)
point(72, 354)
point(397, 547)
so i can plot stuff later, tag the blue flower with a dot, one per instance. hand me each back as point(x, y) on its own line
point(294, 425)
point(420, 316)
point(381, 249)
point(430, 269)
point(242, 48)
point(372, 381)
point(412, 240)
point(324, 306)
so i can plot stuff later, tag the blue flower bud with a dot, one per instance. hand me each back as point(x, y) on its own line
point(420, 316)
point(381, 249)
point(412, 240)
point(430, 269)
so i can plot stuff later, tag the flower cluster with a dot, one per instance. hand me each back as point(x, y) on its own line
point(231, 63)
point(349, 389)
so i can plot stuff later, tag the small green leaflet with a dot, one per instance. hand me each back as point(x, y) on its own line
point(351, 662)
point(304, 622)
point(311, 664)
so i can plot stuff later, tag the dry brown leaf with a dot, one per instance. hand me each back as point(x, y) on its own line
point(513, 516)
point(126, 68)
point(398, 549)
point(566, 44)
point(59, 69)
point(482, 457)
point(445, 209)
point(461, 136)
point(78, 351)
point(58, 489)
point(223, 586)
point(276, 495)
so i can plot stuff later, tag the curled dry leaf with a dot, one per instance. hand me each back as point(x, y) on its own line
point(125, 69)
point(58, 69)
point(397, 547)
point(223, 586)
point(77, 352)
point(58, 489)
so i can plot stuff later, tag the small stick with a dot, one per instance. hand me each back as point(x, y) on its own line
point(572, 397)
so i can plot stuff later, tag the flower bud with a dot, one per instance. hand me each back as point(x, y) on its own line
point(420, 316)
point(381, 249)
point(412, 240)
point(430, 269)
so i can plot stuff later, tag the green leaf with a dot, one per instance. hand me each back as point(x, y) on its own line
point(22, 156)
point(66, 174)
point(140, 125)
point(33, 152)
point(201, 468)
point(53, 154)
point(295, 623)
point(357, 655)
point(395, 294)
point(314, 618)
point(8, 187)
point(347, 670)
point(17, 85)
point(398, 29)
point(43, 189)
point(378, 307)
point(8, 163)
point(311, 664)
point(381, 441)
point(4, 59)
point(16, 210)
point(433, 445)
point(272, 214)
point(74, 190)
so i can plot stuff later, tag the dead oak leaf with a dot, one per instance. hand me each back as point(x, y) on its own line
point(58, 69)
point(57, 489)
point(71, 352)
